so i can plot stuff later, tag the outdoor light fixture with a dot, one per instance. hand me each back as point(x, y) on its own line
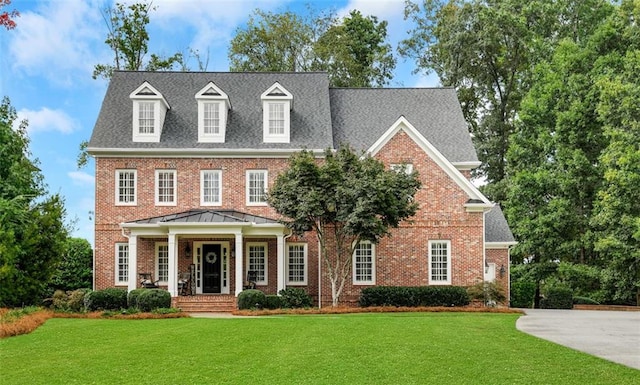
point(502, 271)
point(187, 252)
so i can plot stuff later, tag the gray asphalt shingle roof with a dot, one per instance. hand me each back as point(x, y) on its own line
point(208, 216)
point(496, 227)
point(321, 117)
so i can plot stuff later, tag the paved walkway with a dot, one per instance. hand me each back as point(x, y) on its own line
point(612, 335)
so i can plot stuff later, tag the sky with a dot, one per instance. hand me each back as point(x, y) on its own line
point(46, 64)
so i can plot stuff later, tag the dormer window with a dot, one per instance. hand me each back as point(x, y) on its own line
point(213, 105)
point(149, 111)
point(277, 103)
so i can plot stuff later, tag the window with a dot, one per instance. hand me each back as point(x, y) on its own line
point(146, 121)
point(166, 187)
point(125, 187)
point(211, 118)
point(408, 167)
point(210, 188)
point(257, 261)
point(256, 187)
point(162, 262)
point(364, 264)
point(277, 103)
point(440, 262)
point(276, 118)
point(297, 264)
point(122, 263)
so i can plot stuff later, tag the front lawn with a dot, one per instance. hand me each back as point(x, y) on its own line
point(385, 348)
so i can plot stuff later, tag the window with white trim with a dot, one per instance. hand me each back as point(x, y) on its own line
point(149, 111)
point(122, 263)
point(439, 262)
point(211, 118)
point(257, 261)
point(296, 264)
point(408, 167)
point(126, 187)
point(146, 117)
point(213, 105)
point(277, 103)
point(210, 187)
point(364, 265)
point(162, 262)
point(256, 187)
point(276, 118)
point(166, 187)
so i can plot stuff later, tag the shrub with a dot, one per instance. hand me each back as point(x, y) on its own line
point(294, 297)
point(150, 299)
point(251, 299)
point(132, 297)
point(165, 310)
point(523, 294)
point(577, 300)
point(488, 292)
point(557, 298)
point(413, 296)
point(273, 302)
point(107, 299)
point(60, 301)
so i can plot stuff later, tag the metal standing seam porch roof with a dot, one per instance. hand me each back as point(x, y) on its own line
point(206, 217)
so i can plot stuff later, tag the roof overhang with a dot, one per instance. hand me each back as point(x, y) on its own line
point(198, 152)
point(499, 245)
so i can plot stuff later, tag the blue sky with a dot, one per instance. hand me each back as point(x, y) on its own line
point(47, 61)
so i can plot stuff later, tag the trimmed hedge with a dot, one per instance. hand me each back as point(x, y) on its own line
point(414, 296)
point(251, 299)
point(522, 294)
point(557, 298)
point(272, 302)
point(295, 297)
point(106, 299)
point(132, 297)
point(151, 299)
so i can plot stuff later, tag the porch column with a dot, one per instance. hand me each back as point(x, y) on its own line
point(239, 264)
point(133, 262)
point(172, 286)
point(281, 268)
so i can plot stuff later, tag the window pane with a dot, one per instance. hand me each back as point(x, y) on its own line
point(363, 262)
point(163, 263)
point(145, 118)
point(211, 187)
point(439, 261)
point(276, 118)
point(257, 261)
point(166, 187)
point(126, 187)
point(257, 187)
point(123, 263)
point(211, 118)
point(296, 263)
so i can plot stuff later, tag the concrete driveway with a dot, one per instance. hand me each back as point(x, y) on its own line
point(612, 335)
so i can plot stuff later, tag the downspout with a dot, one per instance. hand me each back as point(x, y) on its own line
point(284, 242)
point(319, 276)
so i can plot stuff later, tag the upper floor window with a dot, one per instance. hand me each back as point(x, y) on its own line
point(440, 262)
point(297, 264)
point(210, 187)
point(277, 103)
point(407, 167)
point(149, 111)
point(213, 106)
point(126, 187)
point(256, 187)
point(364, 264)
point(166, 187)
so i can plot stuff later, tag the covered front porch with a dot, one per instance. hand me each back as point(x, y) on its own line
point(215, 249)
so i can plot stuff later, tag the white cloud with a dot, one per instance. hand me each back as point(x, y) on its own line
point(58, 40)
point(383, 9)
point(81, 178)
point(47, 120)
point(430, 80)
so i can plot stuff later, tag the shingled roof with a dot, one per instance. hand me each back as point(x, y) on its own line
point(322, 117)
point(496, 227)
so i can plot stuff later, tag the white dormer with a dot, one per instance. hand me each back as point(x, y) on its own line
point(149, 111)
point(277, 103)
point(213, 105)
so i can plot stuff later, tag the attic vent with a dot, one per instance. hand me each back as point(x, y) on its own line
point(276, 92)
point(211, 92)
point(146, 91)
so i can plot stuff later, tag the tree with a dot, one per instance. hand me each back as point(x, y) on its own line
point(6, 18)
point(352, 50)
point(128, 39)
point(75, 270)
point(32, 232)
point(344, 199)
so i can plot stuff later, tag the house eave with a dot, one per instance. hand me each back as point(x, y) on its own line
point(500, 245)
point(197, 152)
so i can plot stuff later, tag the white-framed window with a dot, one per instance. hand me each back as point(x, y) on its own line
point(166, 184)
point(162, 262)
point(439, 262)
point(276, 114)
point(126, 181)
point(122, 264)
point(364, 264)
point(213, 105)
point(146, 117)
point(256, 187)
point(257, 261)
point(210, 187)
point(296, 264)
point(408, 167)
point(149, 110)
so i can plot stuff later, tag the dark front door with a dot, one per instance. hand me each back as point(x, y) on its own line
point(211, 268)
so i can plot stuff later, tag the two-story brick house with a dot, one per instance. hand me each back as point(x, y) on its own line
point(183, 160)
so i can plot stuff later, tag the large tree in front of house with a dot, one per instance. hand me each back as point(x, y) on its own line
point(344, 198)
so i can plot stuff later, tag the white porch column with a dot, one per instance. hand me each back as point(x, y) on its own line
point(239, 264)
point(281, 268)
point(133, 262)
point(173, 264)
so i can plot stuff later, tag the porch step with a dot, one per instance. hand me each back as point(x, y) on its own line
point(205, 303)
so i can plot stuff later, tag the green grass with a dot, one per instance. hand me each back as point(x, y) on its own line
point(392, 348)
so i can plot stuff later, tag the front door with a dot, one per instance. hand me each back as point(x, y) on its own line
point(211, 263)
